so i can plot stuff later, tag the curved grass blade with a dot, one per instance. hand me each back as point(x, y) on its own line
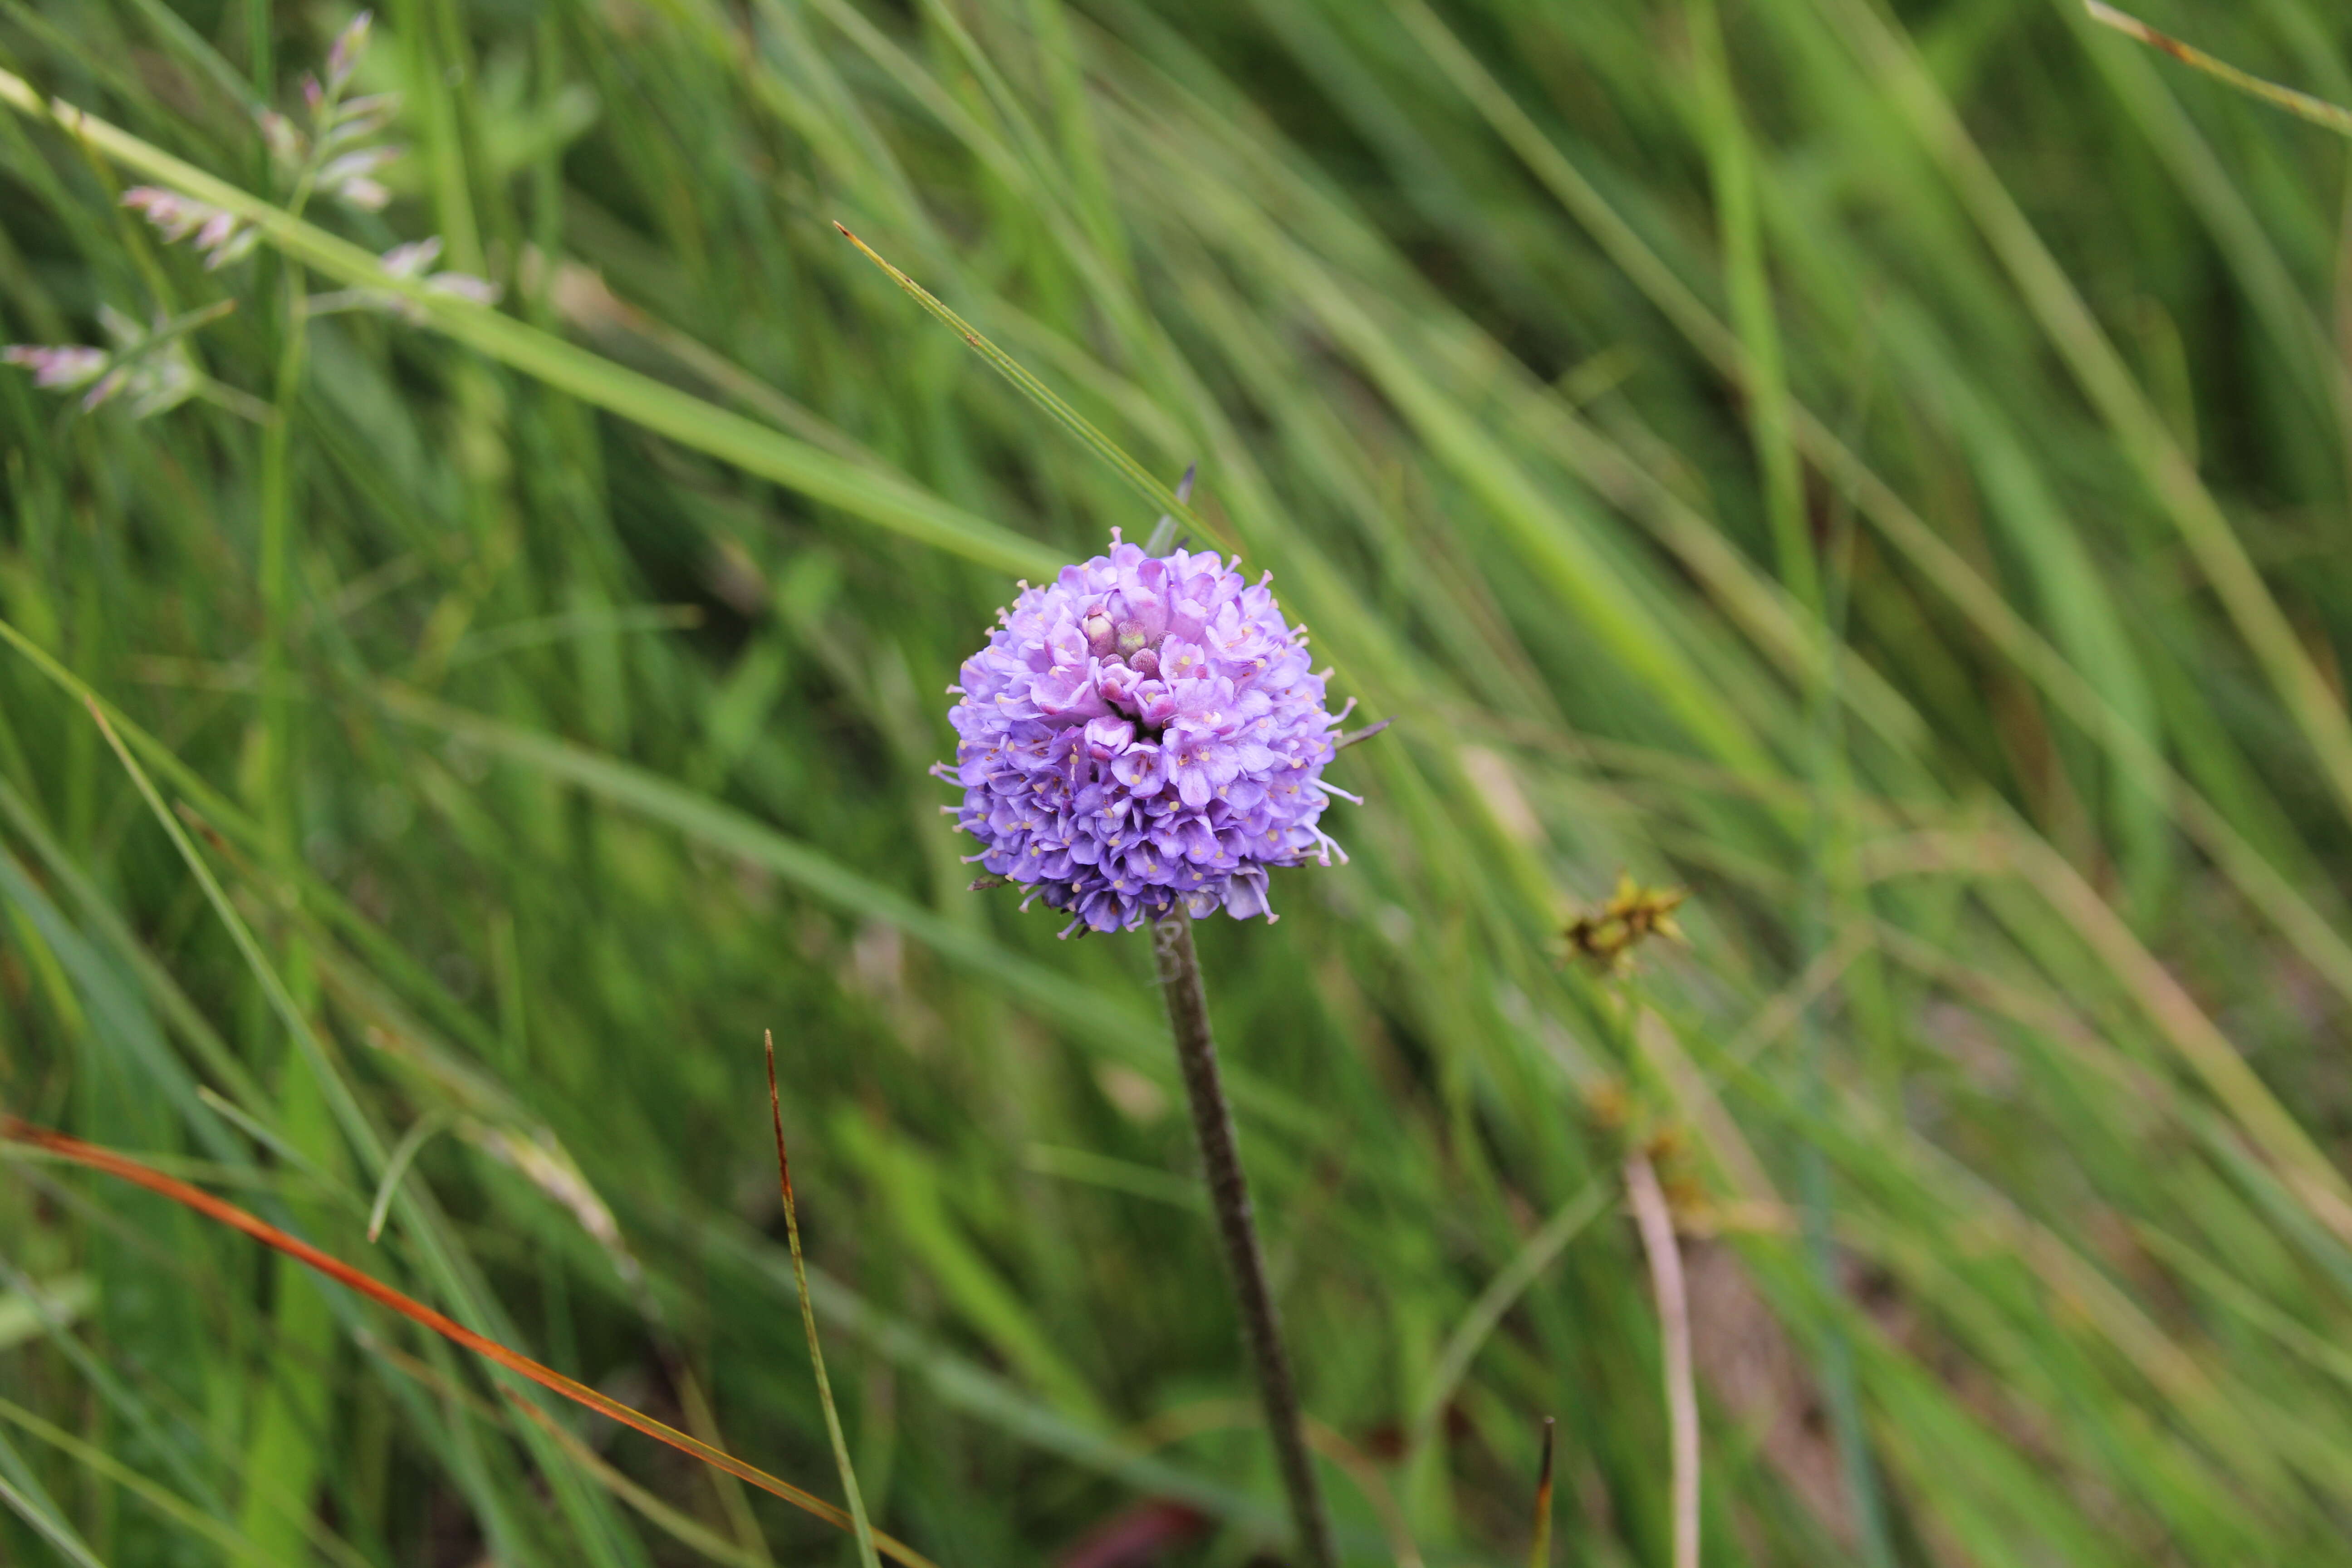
point(680, 1527)
point(885, 500)
point(1501, 1294)
point(1903, 528)
point(14, 1130)
point(402, 1154)
point(163, 1500)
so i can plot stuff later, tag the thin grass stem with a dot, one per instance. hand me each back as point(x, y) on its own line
point(860, 1526)
point(1656, 1222)
point(402, 1154)
point(1172, 502)
point(2317, 111)
point(37, 1513)
point(1212, 1122)
point(1495, 1302)
point(1539, 1539)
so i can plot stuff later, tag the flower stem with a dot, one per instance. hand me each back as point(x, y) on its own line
point(1212, 1122)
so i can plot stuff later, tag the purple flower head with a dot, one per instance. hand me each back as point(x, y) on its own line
point(1143, 730)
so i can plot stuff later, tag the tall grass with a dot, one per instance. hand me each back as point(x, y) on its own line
point(1879, 467)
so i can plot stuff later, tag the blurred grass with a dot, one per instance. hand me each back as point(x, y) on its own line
point(1570, 367)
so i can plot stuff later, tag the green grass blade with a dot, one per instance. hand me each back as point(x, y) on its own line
point(1145, 483)
point(860, 1525)
point(883, 499)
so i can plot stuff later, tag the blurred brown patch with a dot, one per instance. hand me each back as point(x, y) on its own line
point(1748, 1363)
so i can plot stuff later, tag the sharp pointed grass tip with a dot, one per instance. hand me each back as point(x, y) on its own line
point(1144, 730)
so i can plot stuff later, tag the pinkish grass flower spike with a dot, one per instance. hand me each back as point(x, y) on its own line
point(1145, 732)
point(333, 155)
point(219, 236)
point(150, 368)
point(335, 151)
point(60, 367)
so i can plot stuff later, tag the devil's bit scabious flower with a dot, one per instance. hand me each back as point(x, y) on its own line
point(1143, 730)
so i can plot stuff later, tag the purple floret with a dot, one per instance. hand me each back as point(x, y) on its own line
point(1140, 730)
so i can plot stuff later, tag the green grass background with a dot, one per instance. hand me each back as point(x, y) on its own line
point(1883, 466)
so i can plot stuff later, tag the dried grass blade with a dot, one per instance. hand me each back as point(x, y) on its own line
point(1540, 1539)
point(2302, 105)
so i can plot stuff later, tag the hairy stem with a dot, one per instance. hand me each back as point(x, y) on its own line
point(1212, 1122)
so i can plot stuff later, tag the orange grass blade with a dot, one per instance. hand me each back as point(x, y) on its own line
point(17, 1131)
point(1540, 1544)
